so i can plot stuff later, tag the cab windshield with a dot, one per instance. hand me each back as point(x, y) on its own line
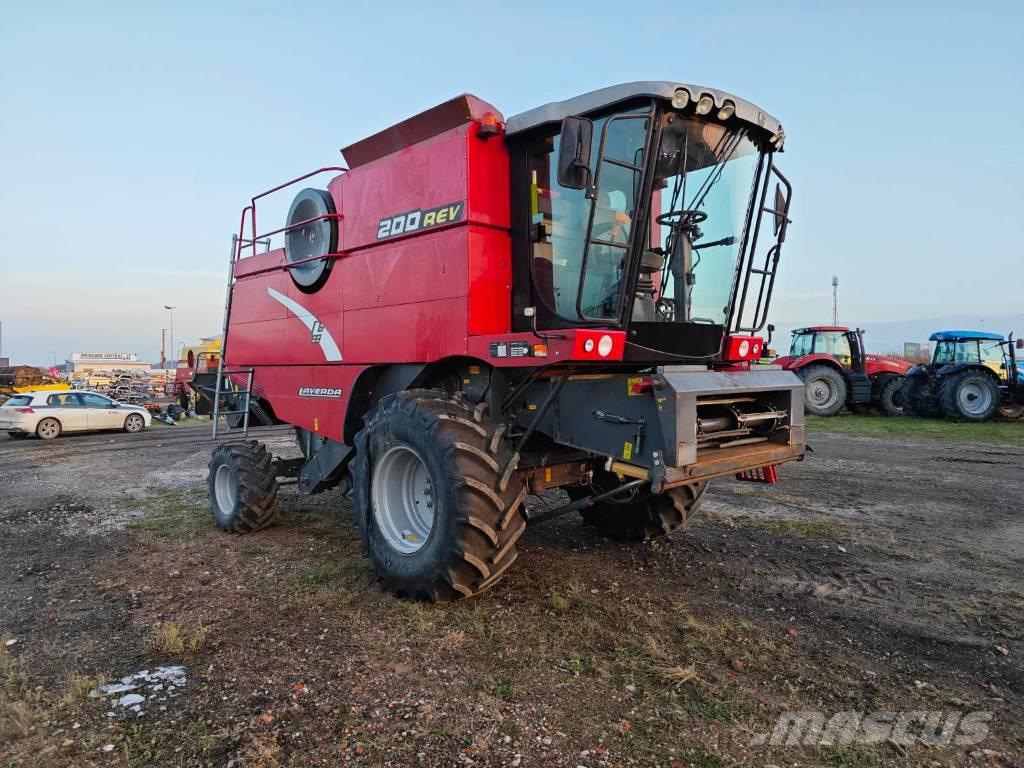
point(702, 186)
point(689, 238)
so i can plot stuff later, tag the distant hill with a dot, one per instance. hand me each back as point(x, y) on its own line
point(889, 337)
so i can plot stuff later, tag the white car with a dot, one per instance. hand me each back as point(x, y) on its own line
point(48, 414)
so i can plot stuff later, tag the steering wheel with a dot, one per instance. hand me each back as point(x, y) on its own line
point(676, 218)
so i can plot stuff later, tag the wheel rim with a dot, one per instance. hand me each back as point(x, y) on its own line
point(134, 423)
point(974, 398)
point(48, 428)
point(224, 489)
point(820, 392)
point(402, 498)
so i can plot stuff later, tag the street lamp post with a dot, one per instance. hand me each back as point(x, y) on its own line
point(171, 310)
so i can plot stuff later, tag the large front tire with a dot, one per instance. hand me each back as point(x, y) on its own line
point(824, 390)
point(437, 505)
point(971, 395)
point(242, 486)
point(643, 515)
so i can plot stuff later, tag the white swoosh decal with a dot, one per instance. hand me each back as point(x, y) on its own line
point(327, 344)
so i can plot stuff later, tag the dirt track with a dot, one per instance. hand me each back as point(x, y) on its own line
point(877, 575)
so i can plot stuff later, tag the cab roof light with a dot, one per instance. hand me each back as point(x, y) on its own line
point(728, 110)
point(680, 98)
point(705, 105)
point(488, 126)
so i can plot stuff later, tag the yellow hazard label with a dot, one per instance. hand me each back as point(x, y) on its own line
point(474, 369)
point(532, 406)
point(627, 450)
point(633, 385)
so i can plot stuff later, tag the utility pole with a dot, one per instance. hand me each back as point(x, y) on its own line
point(171, 310)
point(163, 348)
point(835, 300)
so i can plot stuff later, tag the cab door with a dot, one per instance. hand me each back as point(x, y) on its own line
point(67, 407)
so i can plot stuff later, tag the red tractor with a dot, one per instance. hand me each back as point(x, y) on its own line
point(478, 309)
point(838, 372)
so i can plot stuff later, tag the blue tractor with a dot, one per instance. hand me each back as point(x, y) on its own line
point(972, 376)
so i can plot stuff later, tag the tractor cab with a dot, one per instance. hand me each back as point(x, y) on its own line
point(652, 208)
point(978, 347)
point(845, 345)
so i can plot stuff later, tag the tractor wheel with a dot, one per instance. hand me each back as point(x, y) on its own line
point(643, 515)
point(824, 390)
point(242, 487)
point(1012, 411)
point(969, 396)
point(890, 397)
point(437, 503)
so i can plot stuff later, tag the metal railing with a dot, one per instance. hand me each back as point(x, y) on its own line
point(250, 242)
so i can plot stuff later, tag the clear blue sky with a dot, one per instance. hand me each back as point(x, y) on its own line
point(130, 135)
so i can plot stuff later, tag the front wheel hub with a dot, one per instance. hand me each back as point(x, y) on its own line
point(402, 497)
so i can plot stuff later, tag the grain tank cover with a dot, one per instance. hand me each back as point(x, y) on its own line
point(436, 120)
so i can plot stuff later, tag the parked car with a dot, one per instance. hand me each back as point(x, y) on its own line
point(50, 414)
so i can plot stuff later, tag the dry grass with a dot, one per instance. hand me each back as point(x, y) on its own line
point(171, 638)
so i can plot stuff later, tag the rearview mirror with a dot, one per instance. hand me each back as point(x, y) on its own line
point(574, 152)
point(780, 213)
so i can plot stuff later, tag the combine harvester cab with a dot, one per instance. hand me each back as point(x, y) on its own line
point(478, 309)
point(837, 372)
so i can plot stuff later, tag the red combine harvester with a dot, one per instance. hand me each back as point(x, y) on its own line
point(477, 309)
point(837, 372)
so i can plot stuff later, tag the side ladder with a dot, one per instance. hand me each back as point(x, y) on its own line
point(222, 372)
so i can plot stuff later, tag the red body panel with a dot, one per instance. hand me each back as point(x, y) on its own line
point(876, 364)
point(873, 364)
point(441, 291)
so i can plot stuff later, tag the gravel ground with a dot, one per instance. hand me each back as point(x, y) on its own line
point(878, 576)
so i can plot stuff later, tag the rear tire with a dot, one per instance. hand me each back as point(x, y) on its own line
point(970, 395)
point(824, 390)
point(437, 510)
point(243, 487)
point(890, 397)
point(642, 516)
point(48, 429)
